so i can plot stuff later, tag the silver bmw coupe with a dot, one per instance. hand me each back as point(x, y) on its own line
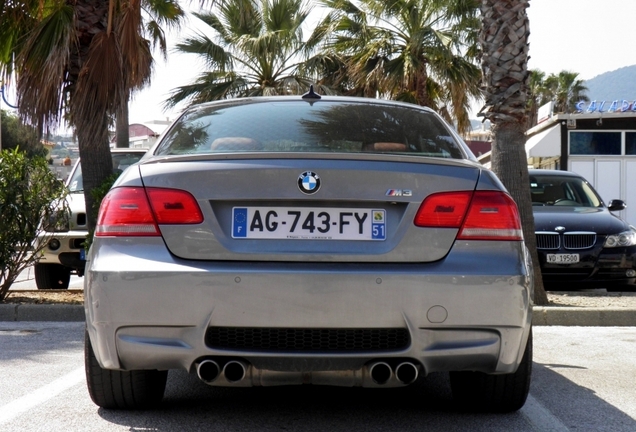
point(309, 240)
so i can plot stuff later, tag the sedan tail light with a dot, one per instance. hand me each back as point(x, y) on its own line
point(135, 211)
point(482, 215)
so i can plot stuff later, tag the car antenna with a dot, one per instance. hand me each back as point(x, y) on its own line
point(311, 94)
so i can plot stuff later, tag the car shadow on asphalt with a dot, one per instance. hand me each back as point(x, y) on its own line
point(426, 405)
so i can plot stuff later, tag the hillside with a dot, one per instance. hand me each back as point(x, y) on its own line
point(615, 85)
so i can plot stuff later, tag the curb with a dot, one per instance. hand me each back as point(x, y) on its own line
point(542, 315)
point(41, 312)
point(584, 317)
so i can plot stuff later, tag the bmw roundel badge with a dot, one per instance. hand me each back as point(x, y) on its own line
point(309, 182)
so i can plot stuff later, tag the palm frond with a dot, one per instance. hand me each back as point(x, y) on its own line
point(135, 50)
point(213, 55)
point(44, 61)
point(208, 87)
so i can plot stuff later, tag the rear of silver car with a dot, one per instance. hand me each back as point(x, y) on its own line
point(350, 269)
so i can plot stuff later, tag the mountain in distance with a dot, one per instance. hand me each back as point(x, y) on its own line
point(618, 84)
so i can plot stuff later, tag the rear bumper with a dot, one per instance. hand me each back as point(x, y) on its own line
point(68, 254)
point(469, 311)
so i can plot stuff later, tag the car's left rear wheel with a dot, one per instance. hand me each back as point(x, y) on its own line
point(112, 389)
point(478, 391)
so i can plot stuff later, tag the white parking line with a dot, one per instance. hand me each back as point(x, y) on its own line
point(41, 395)
point(541, 418)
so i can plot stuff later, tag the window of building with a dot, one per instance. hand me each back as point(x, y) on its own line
point(595, 143)
point(630, 143)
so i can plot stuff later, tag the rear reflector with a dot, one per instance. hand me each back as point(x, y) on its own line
point(482, 215)
point(128, 211)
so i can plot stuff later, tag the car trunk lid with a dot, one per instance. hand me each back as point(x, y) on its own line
point(341, 209)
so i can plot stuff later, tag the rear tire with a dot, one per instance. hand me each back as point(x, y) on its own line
point(478, 391)
point(51, 276)
point(111, 389)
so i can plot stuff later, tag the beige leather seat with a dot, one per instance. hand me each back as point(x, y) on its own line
point(384, 147)
point(235, 144)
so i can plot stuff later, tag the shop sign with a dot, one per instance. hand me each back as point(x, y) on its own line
point(605, 106)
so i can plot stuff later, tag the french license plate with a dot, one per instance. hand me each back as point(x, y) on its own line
point(305, 223)
point(562, 258)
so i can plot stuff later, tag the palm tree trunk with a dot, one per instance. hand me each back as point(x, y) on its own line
point(421, 89)
point(91, 125)
point(97, 165)
point(122, 126)
point(504, 40)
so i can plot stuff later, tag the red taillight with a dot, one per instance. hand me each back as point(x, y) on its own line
point(172, 206)
point(128, 211)
point(489, 215)
point(443, 210)
point(493, 215)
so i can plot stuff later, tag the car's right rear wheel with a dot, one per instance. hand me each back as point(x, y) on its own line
point(51, 276)
point(478, 391)
point(112, 389)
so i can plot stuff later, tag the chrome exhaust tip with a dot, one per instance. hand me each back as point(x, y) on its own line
point(208, 371)
point(380, 372)
point(406, 372)
point(234, 371)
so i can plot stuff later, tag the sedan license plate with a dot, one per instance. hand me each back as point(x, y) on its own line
point(562, 258)
point(306, 223)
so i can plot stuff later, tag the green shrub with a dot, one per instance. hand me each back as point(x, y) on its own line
point(32, 199)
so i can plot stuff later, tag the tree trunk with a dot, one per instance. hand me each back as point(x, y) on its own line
point(97, 165)
point(122, 126)
point(89, 111)
point(510, 163)
point(504, 40)
point(421, 89)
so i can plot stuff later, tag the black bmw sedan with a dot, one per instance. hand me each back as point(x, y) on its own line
point(581, 243)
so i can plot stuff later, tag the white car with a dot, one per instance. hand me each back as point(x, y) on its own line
point(64, 252)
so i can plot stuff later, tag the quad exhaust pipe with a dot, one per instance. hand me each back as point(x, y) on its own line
point(234, 371)
point(240, 373)
point(380, 372)
point(405, 372)
point(208, 371)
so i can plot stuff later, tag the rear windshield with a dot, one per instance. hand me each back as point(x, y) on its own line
point(323, 126)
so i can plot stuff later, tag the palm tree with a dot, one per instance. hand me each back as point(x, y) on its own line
point(566, 90)
point(538, 95)
point(504, 41)
point(158, 16)
point(79, 59)
point(257, 48)
point(420, 51)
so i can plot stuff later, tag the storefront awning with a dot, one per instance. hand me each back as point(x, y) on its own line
point(545, 144)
